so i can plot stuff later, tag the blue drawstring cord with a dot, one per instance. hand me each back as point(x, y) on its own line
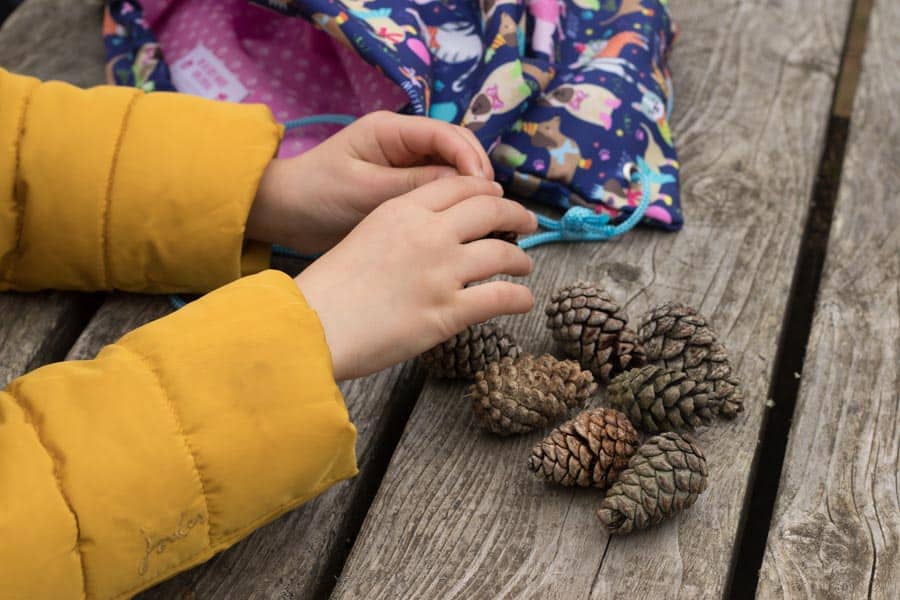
point(288, 253)
point(330, 119)
point(581, 224)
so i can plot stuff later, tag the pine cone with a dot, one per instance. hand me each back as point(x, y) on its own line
point(518, 395)
point(659, 399)
point(590, 450)
point(470, 351)
point(677, 337)
point(591, 328)
point(663, 477)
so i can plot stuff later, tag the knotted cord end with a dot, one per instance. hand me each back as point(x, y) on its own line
point(581, 224)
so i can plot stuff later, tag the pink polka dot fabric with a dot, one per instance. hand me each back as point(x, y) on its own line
point(294, 68)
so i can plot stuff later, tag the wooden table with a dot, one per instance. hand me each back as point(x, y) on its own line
point(442, 511)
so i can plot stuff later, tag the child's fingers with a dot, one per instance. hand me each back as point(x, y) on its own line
point(476, 217)
point(392, 182)
point(479, 303)
point(404, 140)
point(443, 193)
point(485, 161)
point(484, 259)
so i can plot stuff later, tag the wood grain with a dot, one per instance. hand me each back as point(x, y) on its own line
point(836, 528)
point(459, 516)
point(55, 39)
point(38, 328)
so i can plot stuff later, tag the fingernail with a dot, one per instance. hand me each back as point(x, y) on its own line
point(498, 187)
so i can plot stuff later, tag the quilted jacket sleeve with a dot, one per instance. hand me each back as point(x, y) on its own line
point(113, 188)
point(174, 443)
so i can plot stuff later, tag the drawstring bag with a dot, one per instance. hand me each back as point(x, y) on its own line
point(570, 97)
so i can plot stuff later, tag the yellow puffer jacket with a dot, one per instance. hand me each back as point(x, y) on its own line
point(190, 432)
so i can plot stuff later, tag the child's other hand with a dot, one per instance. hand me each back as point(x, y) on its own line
point(310, 202)
point(396, 285)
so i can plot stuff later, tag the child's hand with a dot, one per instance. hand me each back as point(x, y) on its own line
point(396, 285)
point(310, 202)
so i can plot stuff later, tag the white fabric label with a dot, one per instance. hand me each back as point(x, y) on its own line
point(201, 73)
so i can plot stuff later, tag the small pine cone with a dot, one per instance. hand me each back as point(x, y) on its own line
point(591, 328)
point(659, 399)
point(590, 450)
point(470, 351)
point(518, 395)
point(665, 476)
point(677, 337)
point(507, 236)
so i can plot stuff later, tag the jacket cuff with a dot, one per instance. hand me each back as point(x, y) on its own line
point(116, 189)
point(175, 442)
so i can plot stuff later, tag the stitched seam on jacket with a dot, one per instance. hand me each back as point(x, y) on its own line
point(187, 445)
point(104, 257)
point(18, 195)
point(29, 418)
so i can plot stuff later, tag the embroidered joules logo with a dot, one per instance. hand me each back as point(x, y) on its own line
point(159, 546)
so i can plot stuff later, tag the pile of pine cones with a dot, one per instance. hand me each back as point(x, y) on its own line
point(667, 378)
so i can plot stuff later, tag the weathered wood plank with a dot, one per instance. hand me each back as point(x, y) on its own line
point(55, 39)
point(459, 516)
point(836, 528)
point(38, 328)
point(39, 39)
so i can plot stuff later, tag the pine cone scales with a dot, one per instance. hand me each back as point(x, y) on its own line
point(665, 476)
point(517, 395)
point(659, 399)
point(470, 351)
point(590, 450)
point(591, 328)
point(677, 337)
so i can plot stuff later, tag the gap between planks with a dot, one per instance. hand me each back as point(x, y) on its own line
point(791, 354)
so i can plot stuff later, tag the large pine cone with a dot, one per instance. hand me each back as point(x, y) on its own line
point(677, 337)
point(470, 351)
point(664, 476)
point(592, 329)
point(658, 399)
point(518, 395)
point(590, 450)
